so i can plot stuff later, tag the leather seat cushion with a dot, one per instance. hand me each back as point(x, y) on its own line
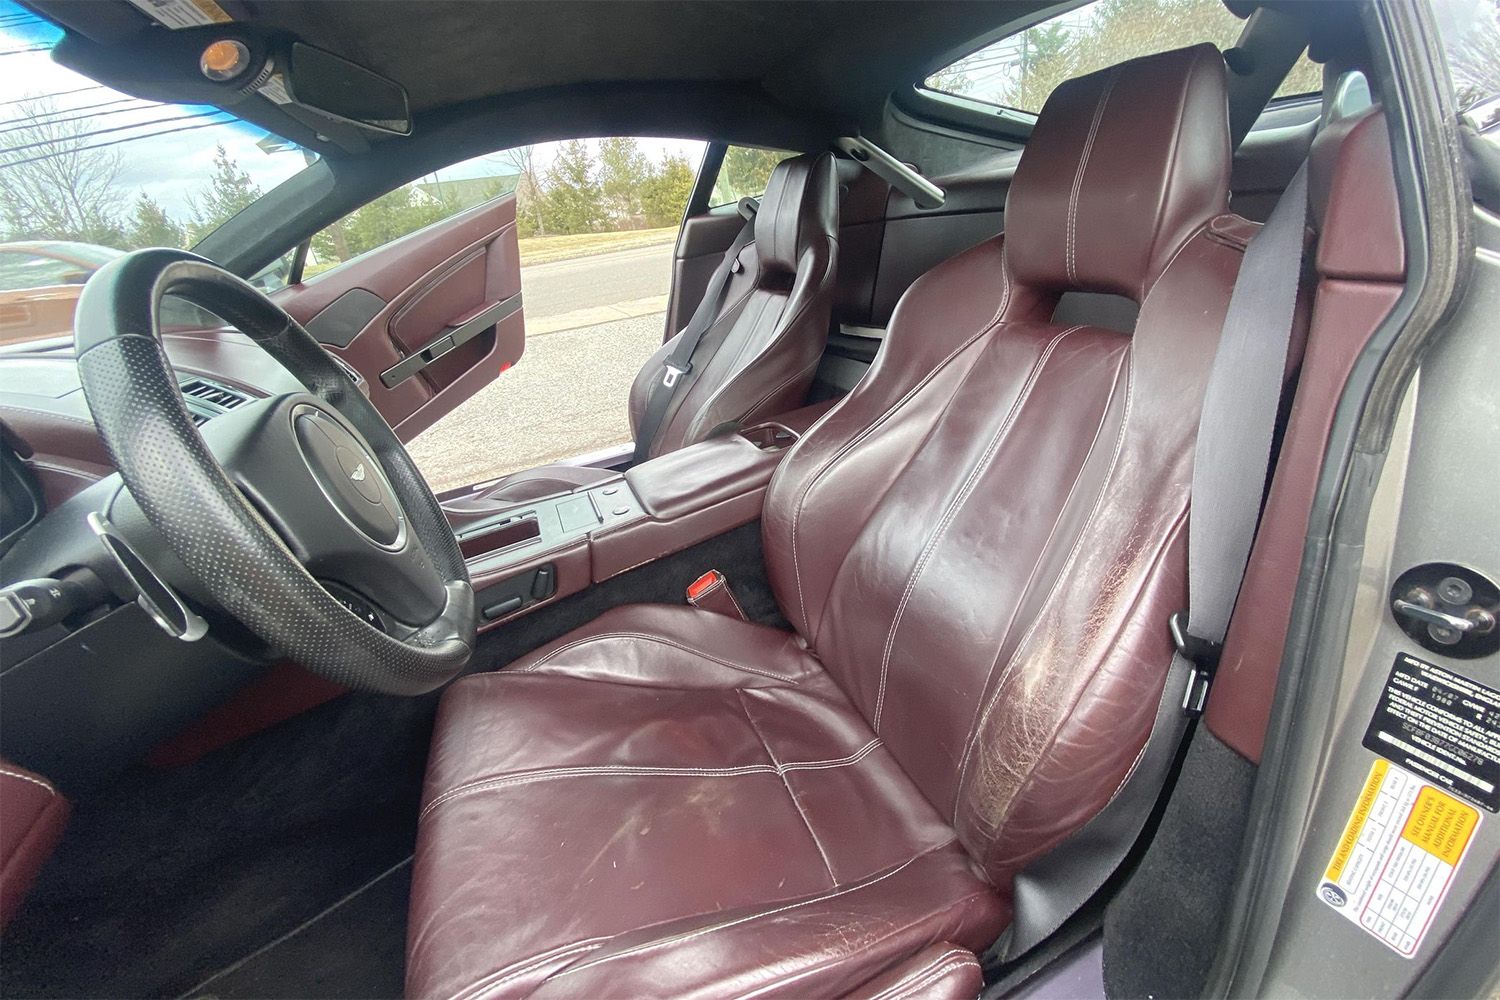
point(671, 802)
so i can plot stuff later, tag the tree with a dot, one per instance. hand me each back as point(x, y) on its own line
point(229, 190)
point(1473, 46)
point(150, 226)
point(54, 186)
point(570, 203)
point(745, 172)
point(665, 193)
point(623, 170)
point(528, 192)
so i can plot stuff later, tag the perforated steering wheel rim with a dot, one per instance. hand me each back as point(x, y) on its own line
point(186, 495)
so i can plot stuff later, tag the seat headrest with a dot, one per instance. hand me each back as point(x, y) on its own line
point(800, 205)
point(1121, 167)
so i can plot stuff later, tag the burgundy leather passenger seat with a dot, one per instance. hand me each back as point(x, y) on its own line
point(758, 357)
point(978, 548)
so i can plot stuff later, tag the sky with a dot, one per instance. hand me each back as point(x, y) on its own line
point(171, 169)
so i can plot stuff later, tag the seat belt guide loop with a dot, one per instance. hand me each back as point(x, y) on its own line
point(1203, 654)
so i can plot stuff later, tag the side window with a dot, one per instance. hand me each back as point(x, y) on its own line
point(596, 220)
point(1471, 37)
point(744, 174)
point(1020, 70)
point(427, 200)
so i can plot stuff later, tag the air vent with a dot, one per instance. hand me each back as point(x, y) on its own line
point(206, 400)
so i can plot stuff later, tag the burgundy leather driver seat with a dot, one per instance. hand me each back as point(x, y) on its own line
point(757, 358)
point(978, 549)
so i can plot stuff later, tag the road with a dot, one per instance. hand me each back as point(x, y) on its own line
point(567, 286)
point(591, 323)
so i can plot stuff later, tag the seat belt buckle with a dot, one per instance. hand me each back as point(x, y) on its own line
point(1203, 655)
point(671, 372)
point(711, 593)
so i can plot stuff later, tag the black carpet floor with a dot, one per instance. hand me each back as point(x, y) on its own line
point(278, 866)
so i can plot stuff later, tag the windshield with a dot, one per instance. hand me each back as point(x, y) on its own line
point(87, 172)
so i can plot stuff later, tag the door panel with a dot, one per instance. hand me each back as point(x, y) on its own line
point(429, 319)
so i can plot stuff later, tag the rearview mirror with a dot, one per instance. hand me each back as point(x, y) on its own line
point(338, 88)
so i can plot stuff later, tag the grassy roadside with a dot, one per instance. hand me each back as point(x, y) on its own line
point(546, 249)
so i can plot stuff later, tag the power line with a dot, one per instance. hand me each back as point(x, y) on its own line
point(44, 97)
point(114, 142)
point(22, 52)
point(38, 118)
point(43, 121)
point(106, 131)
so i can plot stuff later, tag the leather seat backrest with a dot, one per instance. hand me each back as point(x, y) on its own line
point(984, 540)
point(759, 356)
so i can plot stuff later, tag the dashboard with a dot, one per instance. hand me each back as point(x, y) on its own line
point(45, 419)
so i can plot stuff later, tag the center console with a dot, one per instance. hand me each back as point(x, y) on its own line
point(538, 551)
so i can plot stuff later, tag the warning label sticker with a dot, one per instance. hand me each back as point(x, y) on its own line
point(1441, 725)
point(1400, 848)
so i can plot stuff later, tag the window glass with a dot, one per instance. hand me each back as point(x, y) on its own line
point(87, 173)
point(1020, 70)
point(596, 221)
point(745, 173)
point(1471, 37)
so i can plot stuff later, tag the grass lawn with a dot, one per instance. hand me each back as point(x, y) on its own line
point(545, 249)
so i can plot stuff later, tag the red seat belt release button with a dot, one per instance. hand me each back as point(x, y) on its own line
point(711, 593)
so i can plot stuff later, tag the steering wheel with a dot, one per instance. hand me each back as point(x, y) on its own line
point(284, 493)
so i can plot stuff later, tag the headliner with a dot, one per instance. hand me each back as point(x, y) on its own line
point(810, 59)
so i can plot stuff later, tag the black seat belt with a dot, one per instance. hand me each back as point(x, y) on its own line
point(1232, 456)
point(680, 361)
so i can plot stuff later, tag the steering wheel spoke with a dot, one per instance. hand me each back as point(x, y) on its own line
point(274, 497)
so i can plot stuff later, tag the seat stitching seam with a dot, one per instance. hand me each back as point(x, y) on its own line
point(859, 438)
point(646, 771)
point(1056, 584)
point(740, 695)
point(802, 973)
point(656, 639)
point(1036, 564)
point(1083, 532)
point(913, 987)
point(26, 777)
point(820, 897)
point(786, 327)
point(525, 965)
point(904, 986)
point(951, 514)
point(1083, 165)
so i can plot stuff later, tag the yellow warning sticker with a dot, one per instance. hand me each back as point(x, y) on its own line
point(1392, 867)
point(183, 13)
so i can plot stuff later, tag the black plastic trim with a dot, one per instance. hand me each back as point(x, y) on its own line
point(453, 336)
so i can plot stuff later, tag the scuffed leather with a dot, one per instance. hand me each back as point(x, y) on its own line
point(723, 818)
point(984, 540)
point(978, 549)
point(943, 971)
point(32, 817)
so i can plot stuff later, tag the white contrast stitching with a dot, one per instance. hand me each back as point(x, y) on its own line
point(645, 771)
point(26, 777)
point(791, 794)
point(908, 985)
point(518, 969)
point(951, 513)
point(1083, 164)
point(820, 897)
point(874, 425)
point(651, 638)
